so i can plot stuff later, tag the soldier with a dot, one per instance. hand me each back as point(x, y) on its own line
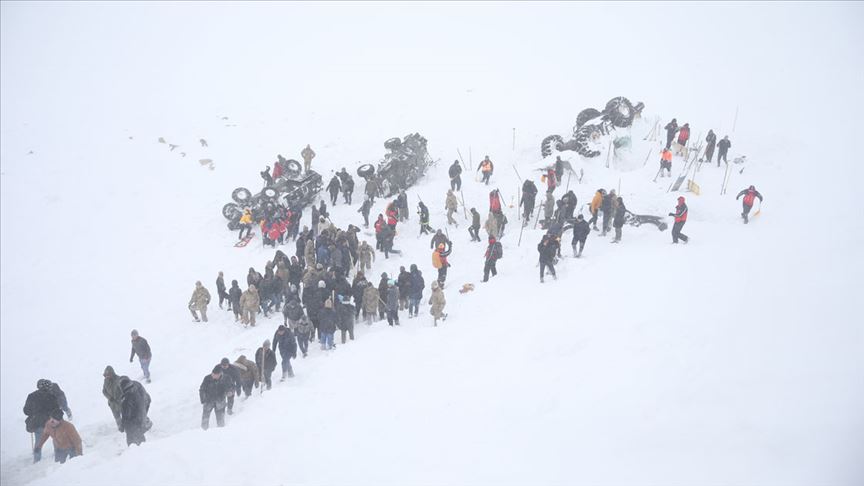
point(134, 405)
point(492, 228)
point(308, 154)
point(231, 375)
point(403, 282)
point(451, 205)
point(265, 359)
point(370, 303)
point(284, 341)
point(113, 393)
point(367, 256)
point(474, 229)
point(437, 301)
point(249, 303)
point(212, 393)
point(372, 188)
point(423, 211)
point(199, 300)
point(671, 129)
point(455, 173)
point(249, 376)
point(141, 347)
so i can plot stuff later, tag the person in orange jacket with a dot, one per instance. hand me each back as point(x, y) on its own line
point(64, 436)
point(666, 162)
point(439, 261)
point(486, 168)
point(595, 207)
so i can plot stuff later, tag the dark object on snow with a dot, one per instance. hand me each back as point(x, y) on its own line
point(633, 220)
point(292, 186)
point(591, 124)
point(404, 164)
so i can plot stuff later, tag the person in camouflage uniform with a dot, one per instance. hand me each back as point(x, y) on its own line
point(249, 303)
point(200, 299)
point(437, 301)
point(451, 204)
point(371, 297)
point(249, 376)
point(367, 256)
point(112, 391)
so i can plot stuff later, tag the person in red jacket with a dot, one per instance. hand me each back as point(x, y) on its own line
point(379, 223)
point(750, 194)
point(680, 215)
point(551, 180)
point(666, 162)
point(392, 215)
point(684, 135)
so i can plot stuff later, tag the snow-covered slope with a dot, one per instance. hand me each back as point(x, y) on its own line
point(738, 358)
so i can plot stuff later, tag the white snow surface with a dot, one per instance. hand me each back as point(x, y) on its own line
point(736, 359)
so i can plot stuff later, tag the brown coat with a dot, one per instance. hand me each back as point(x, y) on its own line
point(64, 435)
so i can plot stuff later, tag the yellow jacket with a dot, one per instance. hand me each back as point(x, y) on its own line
point(246, 218)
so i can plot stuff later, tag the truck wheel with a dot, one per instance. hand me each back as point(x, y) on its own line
point(241, 196)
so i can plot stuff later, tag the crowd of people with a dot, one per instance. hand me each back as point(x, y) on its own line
point(326, 285)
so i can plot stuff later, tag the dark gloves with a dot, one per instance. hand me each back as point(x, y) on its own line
point(671, 214)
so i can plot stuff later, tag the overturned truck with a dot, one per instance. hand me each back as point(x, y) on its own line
point(292, 189)
point(591, 124)
point(404, 164)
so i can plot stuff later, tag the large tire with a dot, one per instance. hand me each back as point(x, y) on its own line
point(241, 196)
point(586, 115)
point(270, 193)
point(393, 144)
point(550, 143)
point(231, 211)
point(366, 171)
point(292, 168)
point(619, 111)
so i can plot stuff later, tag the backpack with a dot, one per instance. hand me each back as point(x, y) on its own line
point(497, 250)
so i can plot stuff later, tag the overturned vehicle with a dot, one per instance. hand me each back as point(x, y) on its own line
point(591, 124)
point(290, 188)
point(404, 164)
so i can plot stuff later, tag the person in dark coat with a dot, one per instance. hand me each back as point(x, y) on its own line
point(415, 291)
point(403, 281)
point(328, 320)
point(364, 210)
point(581, 230)
point(620, 218)
point(142, 349)
point(671, 130)
point(493, 253)
point(548, 249)
point(402, 205)
point(711, 141)
point(284, 341)
point(723, 147)
point(455, 173)
point(474, 229)
point(134, 405)
point(345, 316)
point(347, 185)
point(265, 359)
point(527, 201)
point(680, 215)
point(607, 209)
point(333, 188)
point(212, 393)
point(38, 408)
point(750, 194)
point(221, 290)
point(382, 293)
point(568, 207)
point(234, 299)
point(233, 382)
point(387, 235)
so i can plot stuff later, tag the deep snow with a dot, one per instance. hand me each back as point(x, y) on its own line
point(738, 358)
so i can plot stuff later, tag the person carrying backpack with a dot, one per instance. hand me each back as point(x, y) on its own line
point(494, 252)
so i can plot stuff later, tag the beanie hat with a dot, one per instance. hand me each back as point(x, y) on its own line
point(217, 370)
point(109, 372)
point(322, 284)
point(266, 343)
point(224, 361)
point(134, 332)
point(43, 384)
